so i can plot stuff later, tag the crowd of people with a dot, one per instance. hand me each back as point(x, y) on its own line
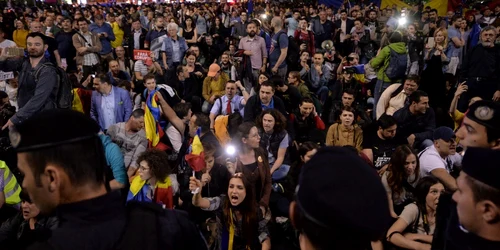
point(249, 126)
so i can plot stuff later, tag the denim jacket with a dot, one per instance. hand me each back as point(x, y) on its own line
point(168, 49)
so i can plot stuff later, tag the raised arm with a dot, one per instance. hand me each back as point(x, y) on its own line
point(170, 114)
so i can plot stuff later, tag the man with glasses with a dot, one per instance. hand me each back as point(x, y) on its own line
point(481, 69)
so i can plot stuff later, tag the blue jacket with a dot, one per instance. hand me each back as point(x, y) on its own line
point(114, 159)
point(123, 106)
point(168, 49)
point(105, 41)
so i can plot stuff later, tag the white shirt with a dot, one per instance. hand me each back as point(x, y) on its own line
point(236, 103)
point(431, 160)
point(343, 27)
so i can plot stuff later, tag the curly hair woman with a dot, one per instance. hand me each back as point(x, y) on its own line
point(153, 183)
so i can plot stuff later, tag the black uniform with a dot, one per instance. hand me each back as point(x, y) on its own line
point(104, 223)
point(449, 235)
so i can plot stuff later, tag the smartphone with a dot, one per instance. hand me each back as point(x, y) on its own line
point(430, 42)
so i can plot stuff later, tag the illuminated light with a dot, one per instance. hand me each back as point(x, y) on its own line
point(230, 150)
point(402, 21)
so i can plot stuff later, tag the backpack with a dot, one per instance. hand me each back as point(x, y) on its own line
point(397, 65)
point(234, 120)
point(292, 55)
point(64, 98)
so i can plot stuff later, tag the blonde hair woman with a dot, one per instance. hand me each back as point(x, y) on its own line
point(433, 80)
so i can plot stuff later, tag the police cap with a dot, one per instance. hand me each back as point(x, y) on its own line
point(486, 113)
point(482, 165)
point(337, 189)
point(52, 128)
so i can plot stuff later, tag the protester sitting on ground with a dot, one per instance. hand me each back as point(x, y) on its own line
point(418, 218)
point(25, 227)
point(396, 96)
point(455, 114)
point(252, 161)
point(153, 183)
point(403, 173)
point(274, 139)
point(441, 159)
point(242, 224)
point(346, 132)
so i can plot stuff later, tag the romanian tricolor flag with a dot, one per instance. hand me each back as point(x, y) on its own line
point(359, 73)
point(196, 159)
point(163, 194)
point(81, 100)
point(152, 116)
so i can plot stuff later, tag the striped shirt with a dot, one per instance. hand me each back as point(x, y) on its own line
point(89, 59)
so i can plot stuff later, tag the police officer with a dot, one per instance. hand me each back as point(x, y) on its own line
point(480, 129)
point(341, 205)
point(63, 163)
point(478, 200)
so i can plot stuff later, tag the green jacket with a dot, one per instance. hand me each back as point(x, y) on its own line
point(381, 61)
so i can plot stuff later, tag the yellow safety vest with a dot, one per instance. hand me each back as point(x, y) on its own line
point(12, 188)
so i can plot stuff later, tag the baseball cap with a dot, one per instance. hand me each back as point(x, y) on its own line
point(443, 133)
point(213, 69)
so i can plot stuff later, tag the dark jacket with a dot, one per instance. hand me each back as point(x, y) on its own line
point(15, 233)
point(420, 125)
point(265, 176)
point(131, 38)
point(310, 129)
point(482, 62)
point(65, 47)
point(253, 107)
point(348, 27)
point(105, 223)
point(448, 234)
point(272, 142)
point(32, 97)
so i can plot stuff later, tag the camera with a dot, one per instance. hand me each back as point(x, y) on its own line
point(350, 58)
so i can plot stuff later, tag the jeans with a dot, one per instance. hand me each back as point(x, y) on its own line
point(281, 72)
point(322, 93)
point(281, 172)
point(379, 89)
point(206, 107)
point(250, 84)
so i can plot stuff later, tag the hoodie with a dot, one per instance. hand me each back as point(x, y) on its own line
point(381, 61)
point(114, 159)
